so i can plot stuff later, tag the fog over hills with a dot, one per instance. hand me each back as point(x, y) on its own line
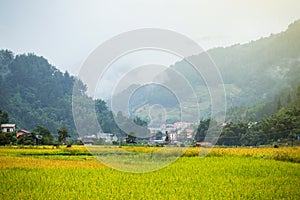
point(253, 73)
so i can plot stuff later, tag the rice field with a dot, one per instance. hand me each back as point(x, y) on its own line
point(226, 173)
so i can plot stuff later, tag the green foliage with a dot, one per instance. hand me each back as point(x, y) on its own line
point(7, 139)
point(35, 93)
point(43, 135)
point(131, 138)
point(30, 139)
point(281, 127)
point(62, 135)
point(202, 130)
point(4, 118)
point(232, 133)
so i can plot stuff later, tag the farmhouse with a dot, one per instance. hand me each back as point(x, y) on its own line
point(8, 128)
point(22, 132)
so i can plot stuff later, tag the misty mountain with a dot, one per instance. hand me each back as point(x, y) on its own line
point(261, 69)
point(254, 74)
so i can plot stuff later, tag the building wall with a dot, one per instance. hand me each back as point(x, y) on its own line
point(8, 129)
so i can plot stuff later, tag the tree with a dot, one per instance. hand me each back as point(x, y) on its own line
point(4, 139)
point(202, 130)
point(43, 135)
point(131, 138)
point(62, 135)
point(167, 139)
point(232, 133)
point(27, 139)
point(292, 136)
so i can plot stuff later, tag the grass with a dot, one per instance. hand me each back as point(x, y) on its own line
point(227, 173)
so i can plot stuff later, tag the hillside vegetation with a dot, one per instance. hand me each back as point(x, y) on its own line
point(35, 93)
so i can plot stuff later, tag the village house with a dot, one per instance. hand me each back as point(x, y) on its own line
point(8, 128)
point(22, 132)
point(107, 137)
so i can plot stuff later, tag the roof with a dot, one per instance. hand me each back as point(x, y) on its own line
point(8, 125)
point(23, 131)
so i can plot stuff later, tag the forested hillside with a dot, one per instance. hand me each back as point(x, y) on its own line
point(35, 93)
point(261, 69)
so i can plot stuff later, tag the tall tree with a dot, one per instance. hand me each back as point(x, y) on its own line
point(62, 135)
point(167, 138)
point(202, 130)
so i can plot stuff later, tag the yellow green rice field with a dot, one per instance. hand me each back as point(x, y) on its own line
point(225, 173)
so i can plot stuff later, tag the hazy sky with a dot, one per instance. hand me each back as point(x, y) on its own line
point(66, 31)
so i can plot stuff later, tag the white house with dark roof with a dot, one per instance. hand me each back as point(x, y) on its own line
point(8, 128)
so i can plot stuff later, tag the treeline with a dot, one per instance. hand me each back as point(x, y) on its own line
point(43, 136)
point(281, 127)
point(37, 136)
